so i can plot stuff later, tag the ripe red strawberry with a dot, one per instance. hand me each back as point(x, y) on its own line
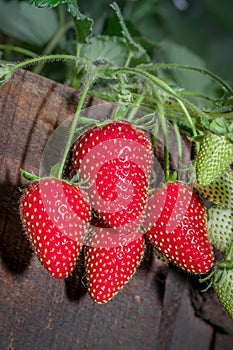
point(111, 259)
point(116, 159)
point(55, 216)
point(176, 226)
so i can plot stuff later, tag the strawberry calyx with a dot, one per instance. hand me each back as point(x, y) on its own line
point(54, 175)
point(29, 176)
point(216, 274)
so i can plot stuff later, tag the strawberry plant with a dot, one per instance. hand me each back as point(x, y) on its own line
point(105, 193)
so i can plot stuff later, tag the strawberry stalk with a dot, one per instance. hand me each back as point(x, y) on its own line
point(191, 68)
point(74, 123)
point(164, 131)
point(216, 274)
point(179, 143)
point(163, 86)
point(35, 60)
point(135, 108)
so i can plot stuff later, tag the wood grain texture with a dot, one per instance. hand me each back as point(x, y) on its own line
point(160, 308)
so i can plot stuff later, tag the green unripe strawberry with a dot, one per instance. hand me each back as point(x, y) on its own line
point(215, 155)
point(219, 192)
point(221, 278)
point(224, 290)
point(220, 227)
point(220, 215)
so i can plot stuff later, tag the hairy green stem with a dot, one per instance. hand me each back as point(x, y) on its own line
point(155, 132)
point(127, 62)
point(192, 68)
point(74, 124)
point(33, 61)
point(196, 94)
point(162, 120)
point(179, 143)
point(135, 107)
point(186, 113)
point(163, 86)
point(75, 75)
point(165, 139)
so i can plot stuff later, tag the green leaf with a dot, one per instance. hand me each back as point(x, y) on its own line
point(83, 23)
point(27, 23)
point(46, 3)
point(104, 48)
point(190, 81)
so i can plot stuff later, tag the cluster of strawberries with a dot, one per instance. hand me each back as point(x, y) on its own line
point(112, 214)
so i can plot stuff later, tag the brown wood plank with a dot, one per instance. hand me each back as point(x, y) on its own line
point(208, 307)
point(179, 327)
point(223, 341)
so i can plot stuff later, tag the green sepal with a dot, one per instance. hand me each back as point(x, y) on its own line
point(29, 176)
point(196, 138)
point(54, 171)
point(173, 177)
point(218, 126)
point(75, 179)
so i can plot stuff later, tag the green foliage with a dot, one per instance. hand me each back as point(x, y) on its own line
point(26, 23)
point(83, 24)
point(103, 48)
point(172, 52)
point(47, 3)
